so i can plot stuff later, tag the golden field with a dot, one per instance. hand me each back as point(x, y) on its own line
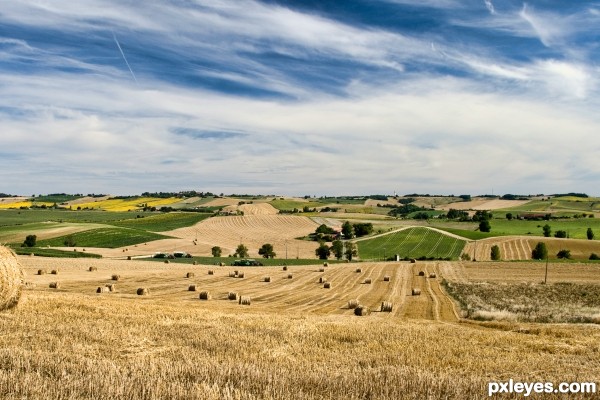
point(297, 340)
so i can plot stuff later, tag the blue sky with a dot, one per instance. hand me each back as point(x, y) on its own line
point(300, 97)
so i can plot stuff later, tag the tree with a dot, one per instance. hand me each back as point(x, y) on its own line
point(564, 254)
point(590, 234)
point(69, 241)
point(216, 251)
point(540, 251)
point(337, 247)
point(30, 241)
point(351, 251)
point(482, 215)
point(560, 234)
point(347, 230)
point(495, 253)
point(547, 230)
point(241, 251)
point(324, 229)
point(267, 251)
point(484, 226)
point(509, 216)
point(323, 251)
point(594, 256)
point(363, 229)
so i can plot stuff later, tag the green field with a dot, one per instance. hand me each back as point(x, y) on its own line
point(162, 222)
point(41, 252)
point(566, 205)
point(289, 205)
point(21, 217)
point(413, 243)
point(105, 238)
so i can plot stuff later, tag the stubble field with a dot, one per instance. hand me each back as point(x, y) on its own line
point(295, 340)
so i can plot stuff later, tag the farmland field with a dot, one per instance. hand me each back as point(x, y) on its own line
point(412, 242)
point(104, 237)
point(286, 343)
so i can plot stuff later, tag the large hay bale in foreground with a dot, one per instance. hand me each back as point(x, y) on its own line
point(11, 279)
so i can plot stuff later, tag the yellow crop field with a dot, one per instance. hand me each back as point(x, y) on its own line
point(114, 204)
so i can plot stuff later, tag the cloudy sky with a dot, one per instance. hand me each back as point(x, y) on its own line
point(318, 97)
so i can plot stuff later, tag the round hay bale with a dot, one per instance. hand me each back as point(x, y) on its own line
point(285, 267)
point(358, 270)
point(386, 278)
point(143, 291)
point(116, 277)
point(240, 275)
point(321, 269)
point(111, 287)
point(416, 292)
point(421, 273)
point(267, 279)
point(413, 261)
point(204, 295)
point(233, 274)
point(167, 261)
point(322, 279)
point(42, 272)
point(129, 258)
point(54, 272)
point(290, 276)
point(432, 275)
point(11, 279)
point(326, 264)
point(362, 311)
point(352, 304)
point(244, 300)
point(195, 263)
point(190, 275)
point(386, 306)
point(102, 289)
point(192, 288)
point(92, 269)
point(221, 264)
point(211, 272)
point(327, 285)
point(232, 296)
point(54, 285)
point(367, 281)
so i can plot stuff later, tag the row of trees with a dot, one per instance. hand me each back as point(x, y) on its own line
point(266, 251)
point(339, 250)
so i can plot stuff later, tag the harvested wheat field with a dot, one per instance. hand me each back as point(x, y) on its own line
point(295, 340)
point(483, 204)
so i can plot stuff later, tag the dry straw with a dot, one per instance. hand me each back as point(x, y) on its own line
point(421, 273)
point(102, 289)
point(386, 278)
point(240, 275)
point(285, 267)
point(244, 300)
point(432, 275)
point(111, 287)
point(54, 272)
point(352, 304)
point(267, 279)
point(92, 269)
point(143, 291)
point(361, 311)
point(358, 270)
point(416, 292)
point(42, 272)
point(290, 276)
point(11, 279)
point(368, 281)
point(233, 274)
point(192, 288)
point(322, 279)
point(321, 269)
point(211, 272)
point(327, 285)
point(54, 285)
point(115, 277)
point(190, 275)
point(325, 264)
point(232, 296)
point(386, 306)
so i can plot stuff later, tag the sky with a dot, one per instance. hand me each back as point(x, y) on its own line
point(321, 97)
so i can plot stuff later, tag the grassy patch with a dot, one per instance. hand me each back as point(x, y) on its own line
point(414, 243)
point(25, 251)
point(527, 302)
point(289, 205)
point(163, 222)
point(105, 238)
point(21, 217)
